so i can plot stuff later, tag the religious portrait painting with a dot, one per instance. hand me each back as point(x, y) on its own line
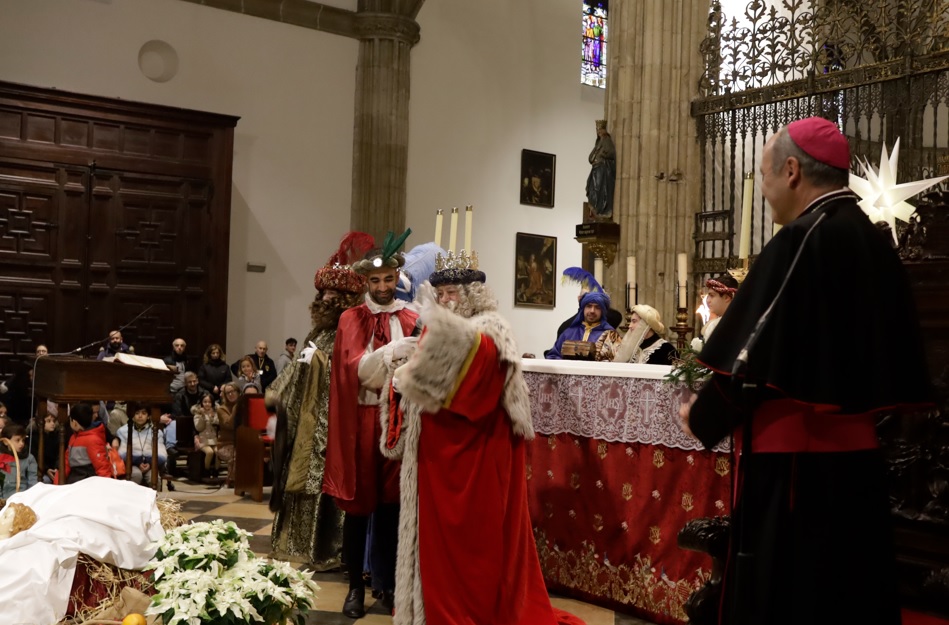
point(537, 178)
point(535, 270)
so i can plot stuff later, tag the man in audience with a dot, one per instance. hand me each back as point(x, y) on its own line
point(179, 361)
point(290, 350)
point(186, 397)
point(263, 364)
point(114, 346)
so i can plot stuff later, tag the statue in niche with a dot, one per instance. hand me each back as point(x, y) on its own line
point(602, 176)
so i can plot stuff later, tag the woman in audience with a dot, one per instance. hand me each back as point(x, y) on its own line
point(214, 372)
point(230, 393)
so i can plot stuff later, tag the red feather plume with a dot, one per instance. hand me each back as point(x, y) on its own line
point(353, 247)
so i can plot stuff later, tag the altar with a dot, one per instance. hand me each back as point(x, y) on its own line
point(611, 481)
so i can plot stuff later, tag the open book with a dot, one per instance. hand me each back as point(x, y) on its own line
point(141, 361)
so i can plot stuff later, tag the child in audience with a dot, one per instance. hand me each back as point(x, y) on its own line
point(87, 455)
point(142, 461)
point(249, 376)
point(16, 434)
point(3, 416)
point(205, 424)
point(50, 448)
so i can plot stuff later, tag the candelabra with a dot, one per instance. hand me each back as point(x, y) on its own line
point(682, 327)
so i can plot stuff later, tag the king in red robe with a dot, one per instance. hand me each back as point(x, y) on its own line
point(458, 416)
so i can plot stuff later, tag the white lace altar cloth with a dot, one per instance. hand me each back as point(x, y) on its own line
point(610, 402)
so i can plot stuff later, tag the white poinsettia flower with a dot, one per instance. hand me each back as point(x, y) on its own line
point(206, 573)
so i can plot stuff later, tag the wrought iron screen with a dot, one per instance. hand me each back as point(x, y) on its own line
point(878, 68)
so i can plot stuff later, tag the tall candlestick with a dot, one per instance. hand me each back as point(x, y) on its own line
point(453, 230)
point(439, 217)
point(630, 282)
point(468, 219)
point(598, 270)
point(748, 194)
point(683, 263)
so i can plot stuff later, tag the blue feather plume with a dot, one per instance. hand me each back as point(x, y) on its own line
point(582, 277)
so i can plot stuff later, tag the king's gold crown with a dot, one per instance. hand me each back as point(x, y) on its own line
point(461, 260)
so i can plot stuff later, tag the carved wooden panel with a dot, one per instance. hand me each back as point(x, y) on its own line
point(109, 208)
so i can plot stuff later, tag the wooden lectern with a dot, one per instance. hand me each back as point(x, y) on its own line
point(66, 379)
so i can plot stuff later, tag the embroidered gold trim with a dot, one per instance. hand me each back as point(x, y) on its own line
point(641, 584)
point(472, 352)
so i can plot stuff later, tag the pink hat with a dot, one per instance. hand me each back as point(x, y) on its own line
point(822, 140)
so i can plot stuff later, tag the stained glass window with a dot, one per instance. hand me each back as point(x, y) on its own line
point(593, 55)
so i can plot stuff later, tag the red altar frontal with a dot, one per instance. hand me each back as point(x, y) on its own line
point(611, 481)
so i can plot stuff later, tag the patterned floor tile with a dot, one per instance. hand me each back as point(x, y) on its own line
point(201, 503)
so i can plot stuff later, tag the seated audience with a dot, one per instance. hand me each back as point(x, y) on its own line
point(262, 364)
point(114, 346)
point(141, 437)
point(178, 361)
point(186, 398)
point(87, 455)
point(588, 325)
point(205, 424)
point(284, 359)
point(16, 434)
point(50, 448)
point(248, 375)
point(214, 372)
point(230, 394)
point(643, 343)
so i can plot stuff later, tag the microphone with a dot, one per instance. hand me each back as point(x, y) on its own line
point(741, 362)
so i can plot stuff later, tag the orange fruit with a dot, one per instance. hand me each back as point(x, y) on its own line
point(134, 619)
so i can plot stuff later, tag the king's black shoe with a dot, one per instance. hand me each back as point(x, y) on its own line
point(388, 600)
point(355, 604)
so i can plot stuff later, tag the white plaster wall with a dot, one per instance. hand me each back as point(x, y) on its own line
point(490, 78)
point(293, 89)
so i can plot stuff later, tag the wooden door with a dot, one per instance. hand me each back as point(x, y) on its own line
point(110, 211)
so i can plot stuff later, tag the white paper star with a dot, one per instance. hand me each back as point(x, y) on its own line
point(883, 199)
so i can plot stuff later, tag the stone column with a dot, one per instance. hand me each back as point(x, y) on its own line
point(652, 76)
point(381, 126)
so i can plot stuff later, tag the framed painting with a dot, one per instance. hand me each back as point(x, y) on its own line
point(537, 178)
point(535, 270)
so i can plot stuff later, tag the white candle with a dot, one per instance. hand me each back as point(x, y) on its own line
point(748, 194)
point(683, 263)
point(598, 270)
point(438, 227)
point(468, 219)
point(453, 230)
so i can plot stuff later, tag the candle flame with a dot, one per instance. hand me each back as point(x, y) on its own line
point(703, 310)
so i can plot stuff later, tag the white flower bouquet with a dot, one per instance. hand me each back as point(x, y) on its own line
point(206, 573)
point(687, 370)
